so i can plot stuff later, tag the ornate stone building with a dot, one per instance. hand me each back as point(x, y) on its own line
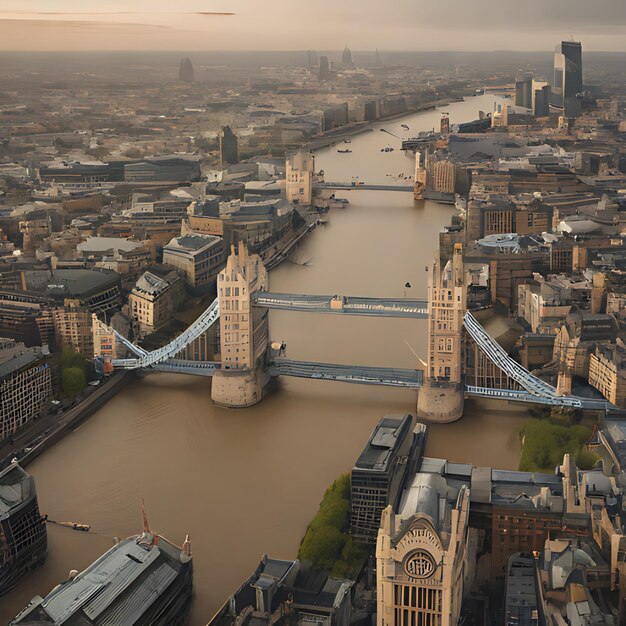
point(422, 556)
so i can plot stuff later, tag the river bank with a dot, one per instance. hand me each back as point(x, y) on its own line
point(52, 428)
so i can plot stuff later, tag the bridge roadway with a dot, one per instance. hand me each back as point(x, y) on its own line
point(390, 377)
point(348, 305)
point(364, 187)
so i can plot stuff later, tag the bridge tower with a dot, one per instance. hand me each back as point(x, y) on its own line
point(441, 397)
point(243, 331)
point(421, 173)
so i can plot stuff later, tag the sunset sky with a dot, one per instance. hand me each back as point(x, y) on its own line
point(318, 24)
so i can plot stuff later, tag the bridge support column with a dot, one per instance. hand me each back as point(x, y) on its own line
point(440, 403)
point(238, 389)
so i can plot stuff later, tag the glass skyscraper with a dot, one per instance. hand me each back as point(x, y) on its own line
point(568, 77)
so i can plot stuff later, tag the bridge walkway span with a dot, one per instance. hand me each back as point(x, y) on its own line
point(347, 305)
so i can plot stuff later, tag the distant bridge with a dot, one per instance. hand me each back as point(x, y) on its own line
point(348, 305)
point(362, 187)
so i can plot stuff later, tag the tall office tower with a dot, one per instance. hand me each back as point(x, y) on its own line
point(377, 478)
point(346, 58)
point(541, 99)
point(185, 72)
point(377, 60)
point(312, 58)
point(229, 146)
point(568, 77)
point(324, 68)
point(523, 91)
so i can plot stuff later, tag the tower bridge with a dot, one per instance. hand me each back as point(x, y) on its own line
point(463, 359)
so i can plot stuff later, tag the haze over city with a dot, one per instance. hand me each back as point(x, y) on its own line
point(326, 24)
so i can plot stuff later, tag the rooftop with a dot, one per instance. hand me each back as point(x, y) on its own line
point(387, 436)
point(192, 243)
point(69, 282)
point(16, 486)
point(117, 588)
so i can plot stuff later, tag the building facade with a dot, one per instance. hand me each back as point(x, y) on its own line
point(377, 477)
point(300, 172)
point(422, 557)
point(23, 534)
point(72, 327)
point(198, 257)
point(25, 386)
point(155, 299)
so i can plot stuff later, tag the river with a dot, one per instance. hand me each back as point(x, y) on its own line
point(247, 482)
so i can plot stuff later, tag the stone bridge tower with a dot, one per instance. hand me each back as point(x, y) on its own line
point(441, 397)
point(243, 331)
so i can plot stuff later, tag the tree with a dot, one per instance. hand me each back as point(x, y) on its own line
point(73, 381)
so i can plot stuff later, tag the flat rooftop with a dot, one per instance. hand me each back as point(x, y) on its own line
point(385, 439)
point(16, 486)
point(69, 282)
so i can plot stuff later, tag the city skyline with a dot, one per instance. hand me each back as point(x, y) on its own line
point(247, 25)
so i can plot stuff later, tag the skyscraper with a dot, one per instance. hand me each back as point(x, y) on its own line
point(324, 68)
point(568, 77)
point(185, 72)
point(229, 146)
point(346, 58)
point(523, 91)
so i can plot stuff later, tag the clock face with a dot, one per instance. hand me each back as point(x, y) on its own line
point(419, 564)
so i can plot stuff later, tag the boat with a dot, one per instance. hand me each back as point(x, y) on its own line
point(344, 151)
point(347, 141)
point(386, 149)
point(404, 126)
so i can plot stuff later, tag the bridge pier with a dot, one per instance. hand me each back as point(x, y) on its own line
point(440, 403)
point(239, 389)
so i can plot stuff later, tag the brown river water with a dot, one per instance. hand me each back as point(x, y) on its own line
point(247, 482)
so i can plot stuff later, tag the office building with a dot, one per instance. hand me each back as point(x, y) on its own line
point(287, 593)
point(523, 91)
point(155, 298)
point(23, 534)
point(567, 84)
point(198, 257)
point(229, 147)
point(324, 73)
point(144, 580)
point(346, 58)
point(25, 386)
point(378, 475)
point(72, 327)
point(312, 59)
point(541, 95)
point(185, 71)
point(444, 125)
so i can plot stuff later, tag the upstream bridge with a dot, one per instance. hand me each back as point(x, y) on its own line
point(362, 187)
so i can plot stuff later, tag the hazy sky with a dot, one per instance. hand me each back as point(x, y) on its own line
point(318, 24)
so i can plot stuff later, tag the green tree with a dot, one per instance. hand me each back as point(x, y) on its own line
point(73, 381)
point(544, 445)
